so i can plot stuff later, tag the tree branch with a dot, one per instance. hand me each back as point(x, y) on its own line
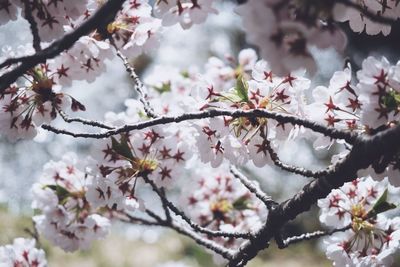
point(136, 220)
point(254, 113)
point(293, 169)
point(308, 236)
point(365, 151)
point(33, 25)
point(92, 123)
point(192, 224)
point(267, 200)
point(100, 19)
point(139, 86)
point(226, 253)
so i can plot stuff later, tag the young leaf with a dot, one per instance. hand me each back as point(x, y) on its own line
point(122, 147)
point(381, 205)
point(60, 191)
point(241, 203)
point(242, 89)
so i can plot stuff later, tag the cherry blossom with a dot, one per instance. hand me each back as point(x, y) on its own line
point(68, 219)
point(22, 253)
point(24, 107)
point(221, 203)
point(155, 142)
point(379, 92)
point(371, 238)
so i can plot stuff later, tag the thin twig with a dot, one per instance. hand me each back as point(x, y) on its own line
point(165, 206)
point(34, 234)
point(139, 86)
point(293, 169)
point(125, 217)
point(192, 224)
point(93, 123)
point(349, 137)
point(224, 252)
point(308, 236)
point(267, 200)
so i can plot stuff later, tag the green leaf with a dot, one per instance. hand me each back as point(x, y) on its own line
point(185, 74)
point(232, 96)
point(60, 191)
point(242, 88)
point(391, 100)
point(165, 87)
point(122, 147)
point(381, 205)
point(242, 203)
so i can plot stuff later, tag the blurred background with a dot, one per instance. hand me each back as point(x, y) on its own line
point(222, 34)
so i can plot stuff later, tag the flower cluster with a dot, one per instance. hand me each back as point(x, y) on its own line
point(379, 90)
point(250, 85)
point(220, 202)
point(68, 219)
point(38, 101)
point(155, 153)
point(22, 253)
point(50, 16)
point(134, 29)
point(372, 238)
point(76, 198)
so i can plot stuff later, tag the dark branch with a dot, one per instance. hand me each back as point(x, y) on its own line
point(92, 123)
point(293, 169)
point(364, 152)
point(139, 86)
point(308, 236)
point(267, 200)
point(192, 224)
point(261, 113)
point(99, 20)
point(224, 252)
point(125, 217)
point(33, 25)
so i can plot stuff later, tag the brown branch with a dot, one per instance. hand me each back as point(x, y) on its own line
point(165, 205)
point(125, 217)
point(267, 200)
point(33, 25)
point(192, 224)
point(364, 152)
point(139, 86)
point(293, 169)
point(254, 113)
point(308, 236)
point(100, 19)
point(367, 13)
point(224, 252)
point(92, 123)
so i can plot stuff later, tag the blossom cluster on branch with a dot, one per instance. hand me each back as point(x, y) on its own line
point(187, 129)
